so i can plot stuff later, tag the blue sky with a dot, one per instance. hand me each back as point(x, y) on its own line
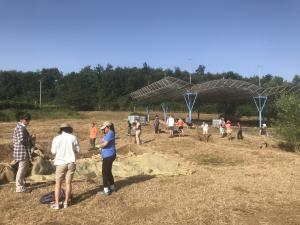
point(223, 35)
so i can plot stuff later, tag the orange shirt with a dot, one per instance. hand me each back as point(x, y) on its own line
point(180, 123)
point(93, 132)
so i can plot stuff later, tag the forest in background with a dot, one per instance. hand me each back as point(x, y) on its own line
point(107, 88)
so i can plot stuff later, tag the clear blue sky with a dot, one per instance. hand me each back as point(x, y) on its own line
point(223, 35)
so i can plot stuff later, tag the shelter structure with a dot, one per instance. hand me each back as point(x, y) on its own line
point(215, 91)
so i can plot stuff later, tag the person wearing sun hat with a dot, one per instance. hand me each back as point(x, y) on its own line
point(108, 153)
point(64, 147)
point(264, 135)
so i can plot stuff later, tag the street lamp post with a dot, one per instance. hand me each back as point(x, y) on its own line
point(40, 93)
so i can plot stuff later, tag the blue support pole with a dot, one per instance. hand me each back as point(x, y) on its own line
point(148, 113)
point(190, 99)
point(260, 102)
point(165, 109)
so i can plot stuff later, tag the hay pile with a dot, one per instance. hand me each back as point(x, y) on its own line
point(156, 164)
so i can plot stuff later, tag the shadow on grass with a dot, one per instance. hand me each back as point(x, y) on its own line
point(288, 147)
point(214, 160)
point(41, 185)
point(119, 184)
point(148, 141)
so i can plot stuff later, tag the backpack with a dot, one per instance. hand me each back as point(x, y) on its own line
point(50, 197)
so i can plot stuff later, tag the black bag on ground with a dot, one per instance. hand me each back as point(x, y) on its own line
point(50, 197)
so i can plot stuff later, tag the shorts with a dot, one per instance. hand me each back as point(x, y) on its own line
point(180, 128)
point(65, 171)
point(171, 128)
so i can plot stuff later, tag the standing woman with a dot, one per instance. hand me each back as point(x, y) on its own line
point(138, 130)
point(108, 153)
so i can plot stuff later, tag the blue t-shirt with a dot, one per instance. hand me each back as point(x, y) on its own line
point(110, 148)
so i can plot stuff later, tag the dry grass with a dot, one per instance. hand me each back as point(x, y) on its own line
point(235, 183)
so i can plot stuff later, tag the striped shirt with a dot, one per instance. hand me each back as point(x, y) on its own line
point(22, 143)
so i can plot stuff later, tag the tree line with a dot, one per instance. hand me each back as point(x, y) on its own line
point(101, 87)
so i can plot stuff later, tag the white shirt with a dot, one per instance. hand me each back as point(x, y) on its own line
point(64, 146)
point(204, 127)
point(170, 122)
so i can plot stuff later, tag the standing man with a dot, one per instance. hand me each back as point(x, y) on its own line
point(93, 135)
point(21, 152)
point(156, 124)
point(170, 124)
point(64, 147)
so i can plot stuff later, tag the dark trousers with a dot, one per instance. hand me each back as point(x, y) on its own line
point(92, 142)
point(107, 176)
point(156, 129)
point(240, 135)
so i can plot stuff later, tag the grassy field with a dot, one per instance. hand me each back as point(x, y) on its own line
point(234, 182)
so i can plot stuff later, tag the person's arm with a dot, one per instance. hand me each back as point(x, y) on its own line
point(103, 144)
point(76, 146)
point(54, 147)
point(106, 139)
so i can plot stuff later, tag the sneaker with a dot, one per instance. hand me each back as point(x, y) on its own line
point(54, 206)
point(104, 193)
point(25, 191)
point(65, 205)
point(113, 190)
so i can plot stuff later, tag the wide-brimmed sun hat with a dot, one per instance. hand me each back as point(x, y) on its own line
point(65, 125)
point(105, 124)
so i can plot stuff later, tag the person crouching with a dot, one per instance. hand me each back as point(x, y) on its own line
point(108, 153)
point(64, 146)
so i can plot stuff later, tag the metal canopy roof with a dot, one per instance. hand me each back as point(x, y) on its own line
point(164, 89)
point(224, 90)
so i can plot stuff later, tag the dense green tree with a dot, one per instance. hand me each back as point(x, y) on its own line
point(296, 80)
point(288, 120)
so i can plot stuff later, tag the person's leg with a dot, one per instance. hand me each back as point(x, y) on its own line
point(69, 178)
point(110, 175)
point(57, 191)
point(94, 142)
point(105, 167)
point(137, 136)
point(59, 176)
point(20, 177)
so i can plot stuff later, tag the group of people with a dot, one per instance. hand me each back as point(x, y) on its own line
point(225, 129)
point(65, 146)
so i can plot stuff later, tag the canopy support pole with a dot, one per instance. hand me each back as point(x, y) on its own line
point(190, 99)
point(165, 109)
point(148, 113)
point(260, 102)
